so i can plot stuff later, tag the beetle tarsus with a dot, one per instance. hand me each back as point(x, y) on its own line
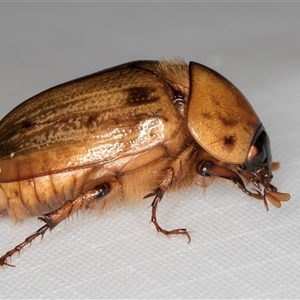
point(53, 218)
point(158, 196)
point(18, 248)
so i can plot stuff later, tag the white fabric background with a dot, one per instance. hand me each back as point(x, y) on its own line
point(238, 250)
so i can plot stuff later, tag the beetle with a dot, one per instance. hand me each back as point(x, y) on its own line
point(126, 133)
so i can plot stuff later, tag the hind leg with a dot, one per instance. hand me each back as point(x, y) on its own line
point(55, 217)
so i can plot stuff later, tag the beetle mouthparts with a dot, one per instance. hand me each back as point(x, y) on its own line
point(260, 178)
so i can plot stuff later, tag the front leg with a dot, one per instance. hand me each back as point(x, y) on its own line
point(209, 168)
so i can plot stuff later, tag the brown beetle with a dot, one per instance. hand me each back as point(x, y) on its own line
point(126, 133)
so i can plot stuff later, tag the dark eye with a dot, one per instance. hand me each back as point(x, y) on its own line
point(260, 152)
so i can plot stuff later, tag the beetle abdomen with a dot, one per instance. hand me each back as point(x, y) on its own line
point(37, 195)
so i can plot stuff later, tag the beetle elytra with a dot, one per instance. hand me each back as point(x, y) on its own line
point(126, 133)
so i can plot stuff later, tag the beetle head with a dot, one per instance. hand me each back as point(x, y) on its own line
point(258, 166)
point(258, 170)
point(259, 155)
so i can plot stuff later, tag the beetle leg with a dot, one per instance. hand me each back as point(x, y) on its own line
point(208, 168)
point(158, 196)
point(53, 218)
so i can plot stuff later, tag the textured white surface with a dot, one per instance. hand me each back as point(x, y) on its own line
point(238, 250)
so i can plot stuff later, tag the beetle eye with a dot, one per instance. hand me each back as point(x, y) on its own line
point(259, 154)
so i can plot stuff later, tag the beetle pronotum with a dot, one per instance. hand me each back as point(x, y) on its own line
point(126, 133)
